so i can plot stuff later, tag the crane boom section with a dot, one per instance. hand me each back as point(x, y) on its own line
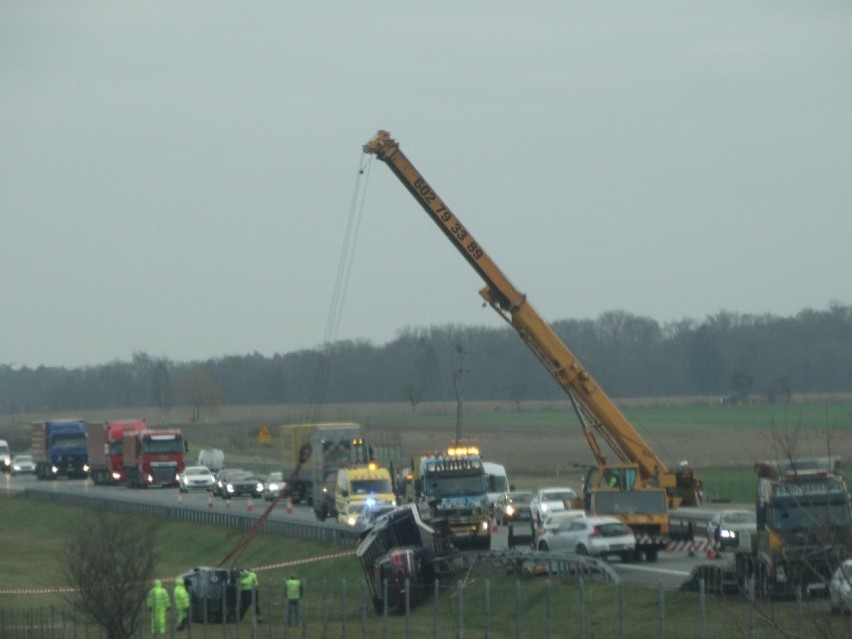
point(606, 420)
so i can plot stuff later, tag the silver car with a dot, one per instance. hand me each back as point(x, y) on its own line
point(594, 536)
point(22, 464)
point(840, 588)
point(732, 526)
point(195, 478)
point(272, 485)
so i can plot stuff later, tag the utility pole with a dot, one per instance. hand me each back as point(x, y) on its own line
point(458, 385)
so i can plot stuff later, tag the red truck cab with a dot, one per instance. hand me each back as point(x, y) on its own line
point(105, 444)
point(153, 457)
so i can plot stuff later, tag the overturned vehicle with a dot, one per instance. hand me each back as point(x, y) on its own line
point(402, 557)
point(215, 595)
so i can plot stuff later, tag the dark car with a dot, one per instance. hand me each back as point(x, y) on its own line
point(241, 483)
point(222, 478)
point(514, 507)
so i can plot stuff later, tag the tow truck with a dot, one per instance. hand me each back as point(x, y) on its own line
point(450, 485)
point(639, 487)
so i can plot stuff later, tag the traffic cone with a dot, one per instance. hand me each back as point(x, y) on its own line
point(209, 499)
point(180, 496)
point(227, 504)
point(711, 554)
point(250, 506)
point(289, 505)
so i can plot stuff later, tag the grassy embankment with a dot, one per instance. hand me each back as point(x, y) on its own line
point(34, 535)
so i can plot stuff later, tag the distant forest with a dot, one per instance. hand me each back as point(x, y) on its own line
point(737, 357)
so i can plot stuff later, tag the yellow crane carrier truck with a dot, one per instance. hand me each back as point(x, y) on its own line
point(637, 486)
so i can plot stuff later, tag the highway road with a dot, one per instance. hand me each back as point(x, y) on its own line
point(671, 569)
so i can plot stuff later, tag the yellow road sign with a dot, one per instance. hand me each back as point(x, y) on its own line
point(264, 436)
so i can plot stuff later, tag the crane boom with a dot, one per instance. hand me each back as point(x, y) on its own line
point(599, 416)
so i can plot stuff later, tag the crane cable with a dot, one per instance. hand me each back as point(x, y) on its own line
point(341, 283)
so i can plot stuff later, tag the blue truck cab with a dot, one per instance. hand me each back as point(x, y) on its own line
point(59, 448)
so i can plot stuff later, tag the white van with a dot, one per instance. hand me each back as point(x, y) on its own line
point(213, 458)
point(496, 483)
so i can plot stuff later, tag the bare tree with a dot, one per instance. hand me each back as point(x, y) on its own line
point(411, 392)
point(199, 389)
point(517, 391)
point(109, 561)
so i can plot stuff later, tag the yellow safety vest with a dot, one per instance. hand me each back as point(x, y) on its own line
point(293, 589)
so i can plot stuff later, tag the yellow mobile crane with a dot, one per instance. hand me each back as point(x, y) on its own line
point(640, 488)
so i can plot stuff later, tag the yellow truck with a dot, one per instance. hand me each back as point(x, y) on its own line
point(362, 494)
point(334, 446)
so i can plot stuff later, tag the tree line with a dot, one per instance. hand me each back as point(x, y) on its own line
point(735, 356)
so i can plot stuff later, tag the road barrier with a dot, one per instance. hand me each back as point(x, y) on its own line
point(323, 532)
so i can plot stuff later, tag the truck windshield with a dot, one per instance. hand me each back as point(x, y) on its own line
point(437, 486)
point(498, 484)
point(162, 446)
point(64, 442)
point(791, 516)
point(367, 486)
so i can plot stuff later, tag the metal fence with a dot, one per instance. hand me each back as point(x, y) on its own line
point(328, 532)
point(491, 608)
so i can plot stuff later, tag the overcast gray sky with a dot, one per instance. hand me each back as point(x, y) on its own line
point(176, 177)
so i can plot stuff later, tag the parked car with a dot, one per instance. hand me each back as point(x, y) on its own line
point(548, 501)
point(272, 485)
point(840, 588)
point(22, 465)
point(195, 478)
point(241, 483)
point(594, 536)
point(514, 507)
point(733, 525)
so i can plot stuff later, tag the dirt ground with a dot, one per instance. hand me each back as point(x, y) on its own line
point(535, 453)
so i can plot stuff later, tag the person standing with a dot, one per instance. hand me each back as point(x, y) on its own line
point(181, 595)
point(294, 600)
point(248, 584)
point(158, 604)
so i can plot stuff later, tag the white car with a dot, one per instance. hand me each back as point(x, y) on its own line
point(23, 464)
point(273, 485)
point(195, 478)
point(840, 588)
point(548, 501)
point(554, 522)
point(594, 536)
point(732, 525)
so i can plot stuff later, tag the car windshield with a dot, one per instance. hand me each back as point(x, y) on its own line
point(744, 517)
point(275, 477)
point(23, 458)
point(198, 471)
point(520, 499)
